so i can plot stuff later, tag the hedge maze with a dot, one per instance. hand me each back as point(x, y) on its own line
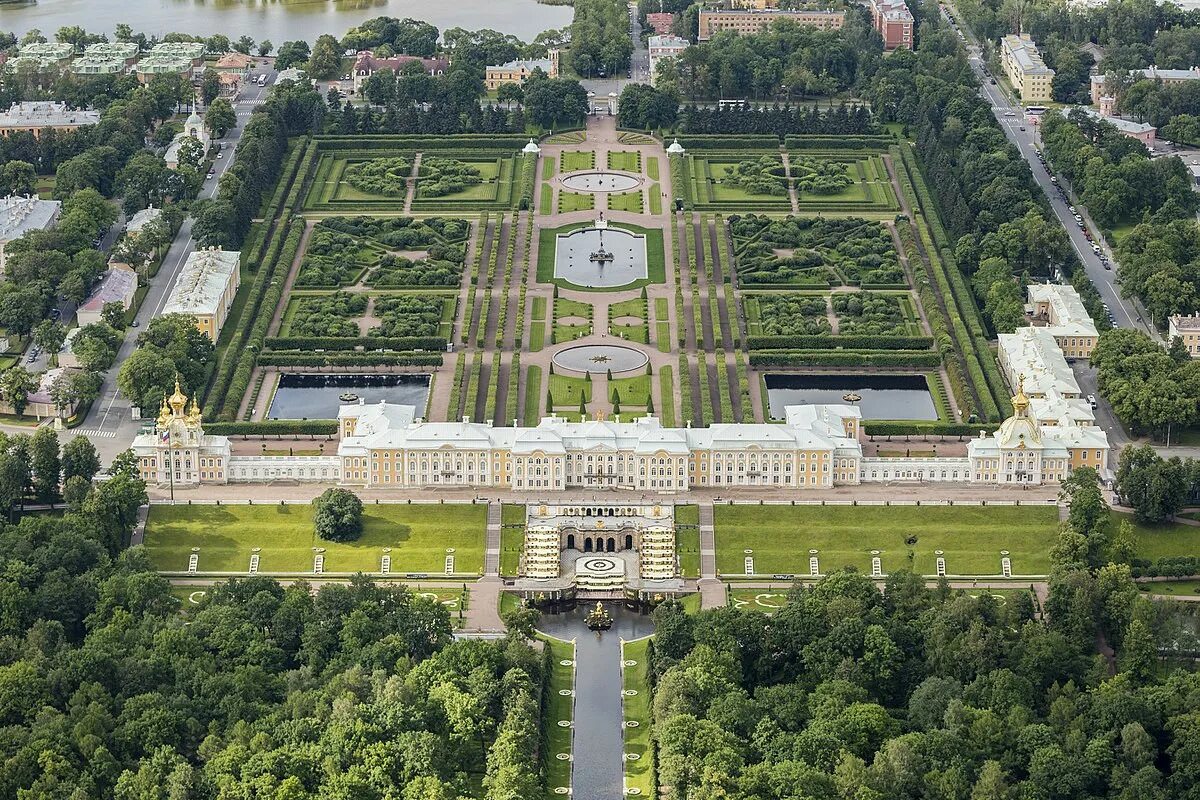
point(814, 251)
point(385, 252)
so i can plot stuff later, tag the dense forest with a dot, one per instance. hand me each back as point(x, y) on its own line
point(351, 692)
point(850, 692)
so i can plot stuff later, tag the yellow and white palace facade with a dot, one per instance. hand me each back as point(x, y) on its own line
point(385, 446)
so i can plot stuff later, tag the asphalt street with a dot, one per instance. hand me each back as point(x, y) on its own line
point(110, 424)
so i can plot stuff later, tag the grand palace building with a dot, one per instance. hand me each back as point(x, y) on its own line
point(385, 446)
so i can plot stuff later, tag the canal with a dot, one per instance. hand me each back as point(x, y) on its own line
point(599, 742)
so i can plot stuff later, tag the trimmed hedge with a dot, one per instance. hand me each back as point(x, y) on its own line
point(840, 358)
point(926, 428)
point(399, 343)
point(468, 141)
point(831, 342)
point(275, 427)
point(354, 359)
point(1171, 567)
point(720, 142)
point(801, 142)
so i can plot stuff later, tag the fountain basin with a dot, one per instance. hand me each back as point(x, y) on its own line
point(596, 358)
point(600, 182)
point(600, 257)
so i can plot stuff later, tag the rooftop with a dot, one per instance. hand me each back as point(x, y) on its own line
point(527, 64)
point(18, 215)
point(202, 282)
point(1126, 126)
point(125, 50)
point(1025, 53)
point(1067, 315)
point(1182, 322)
point(1034, 354)
point(58, 51)
point(142, 218)
point(43, 114)
point(114, 287)
point(192, 50)
point(669, 41)
point(368, 61)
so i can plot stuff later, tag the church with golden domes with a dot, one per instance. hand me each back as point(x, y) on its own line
point(178, 451)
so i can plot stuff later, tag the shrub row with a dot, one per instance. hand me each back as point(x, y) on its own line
point(831, 342)
point(679, 182)
point(799, 142)
point(261, 313)
point(1172, 567)
point(719, 142)
point(343, 359)
point(397, 343)
point(275, 427)
point(839, 358)
point(926, 428)
point(390, 142)
point(528, 182)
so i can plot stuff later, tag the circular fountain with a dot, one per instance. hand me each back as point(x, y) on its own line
point(586, 358)
point(600, 182)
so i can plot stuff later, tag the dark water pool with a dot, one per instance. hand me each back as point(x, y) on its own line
point(883, 396)
point(318, 396)
point(599, 741)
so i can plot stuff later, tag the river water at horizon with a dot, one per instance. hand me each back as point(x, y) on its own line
point(277, 20)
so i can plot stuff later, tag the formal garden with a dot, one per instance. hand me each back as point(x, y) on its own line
point(655, 257)
point(385, 252)
point(814, 252)
point(865, 313)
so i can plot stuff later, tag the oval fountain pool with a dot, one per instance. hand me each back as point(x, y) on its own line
point(600, 358)
point(600, 182)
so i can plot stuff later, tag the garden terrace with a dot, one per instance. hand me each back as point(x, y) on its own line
point(385, 252)
point(737, 181)
point(375, 315)
point(868, 190)
point(655, 257)
point(357, 174)
point(818, 252)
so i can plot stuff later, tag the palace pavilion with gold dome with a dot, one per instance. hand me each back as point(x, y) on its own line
point(386, 446)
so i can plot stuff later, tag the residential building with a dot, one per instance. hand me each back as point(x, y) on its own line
point(1169, 77)
point(662, 48)
point(1060, 310)
point(758, 5)
point(141, 219)
point(1186, 328)
point(234, 62)
point(1146, 134)
point(35, 116)
point(193, 51)
point(56, 52)
point(713, 21)
point(125, 51)
point(98, 65)
point(661, 23)
point(367, 64)
point(205, 288)
point(66, 354)
point(20, 215)
point(118, 285)
point(519, 71)
point(1028, 74)
point(171, 57)
point(894, 22)
point(40, 402)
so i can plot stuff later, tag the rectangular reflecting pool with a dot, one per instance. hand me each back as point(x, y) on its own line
point(319, 396)
point(883, 396)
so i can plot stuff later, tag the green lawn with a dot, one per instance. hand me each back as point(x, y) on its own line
point(546, 201)
point(1170, 588)
point(625, 160)
point(970, 536)
point(635, 677)
point(667, 386)
point(1161, 541)
point(418, 535)
point(687, 515)
point(566, 391)
point(655, 200)
point(628, 201)
point(575, 160)
point(548, 168)
point(656, 268)
point(652, 167)
point(512, 540)
point(572, 201)
point(558, 707)
point(533, 394)
point(763, 600)
point(687, 546)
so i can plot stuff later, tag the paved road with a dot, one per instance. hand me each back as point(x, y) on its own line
point(1127, 313)
point(110, 424)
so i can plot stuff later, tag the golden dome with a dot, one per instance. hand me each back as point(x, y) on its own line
point(164, 413)
point(1019, 401)
point(194, 415)
point(178, 400)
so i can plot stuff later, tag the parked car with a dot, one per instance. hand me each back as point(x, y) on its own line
point(1092, 400)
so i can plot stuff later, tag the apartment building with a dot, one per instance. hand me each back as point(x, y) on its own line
point(1026, 71)
point(745, 22)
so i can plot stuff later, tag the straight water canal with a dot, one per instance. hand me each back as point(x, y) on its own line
point(599, 741)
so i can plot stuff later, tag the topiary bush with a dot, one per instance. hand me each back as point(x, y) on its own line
point(382, 176)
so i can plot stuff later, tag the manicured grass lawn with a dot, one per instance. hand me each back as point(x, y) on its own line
point(634, 391)
point(652, 167)
point(655, 200)
point(1171, 587)
point(558, 707)
point(762, 600)
point(1161, 541)
point(636, 678)
point(564, 307)
point(512, 540)
point(687, 515)
point(546, 200)
point(418, 535)
point(533, 394)
point(571, 201)
point(575, 160)
point(625, 160)
point(687, 546)
point(667, 386)
point(566, 391)
point(970, 536)
point(548, 163)
point(629, 201)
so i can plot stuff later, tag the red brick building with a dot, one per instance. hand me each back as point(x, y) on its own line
point(894, 22)
point(661, 23)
